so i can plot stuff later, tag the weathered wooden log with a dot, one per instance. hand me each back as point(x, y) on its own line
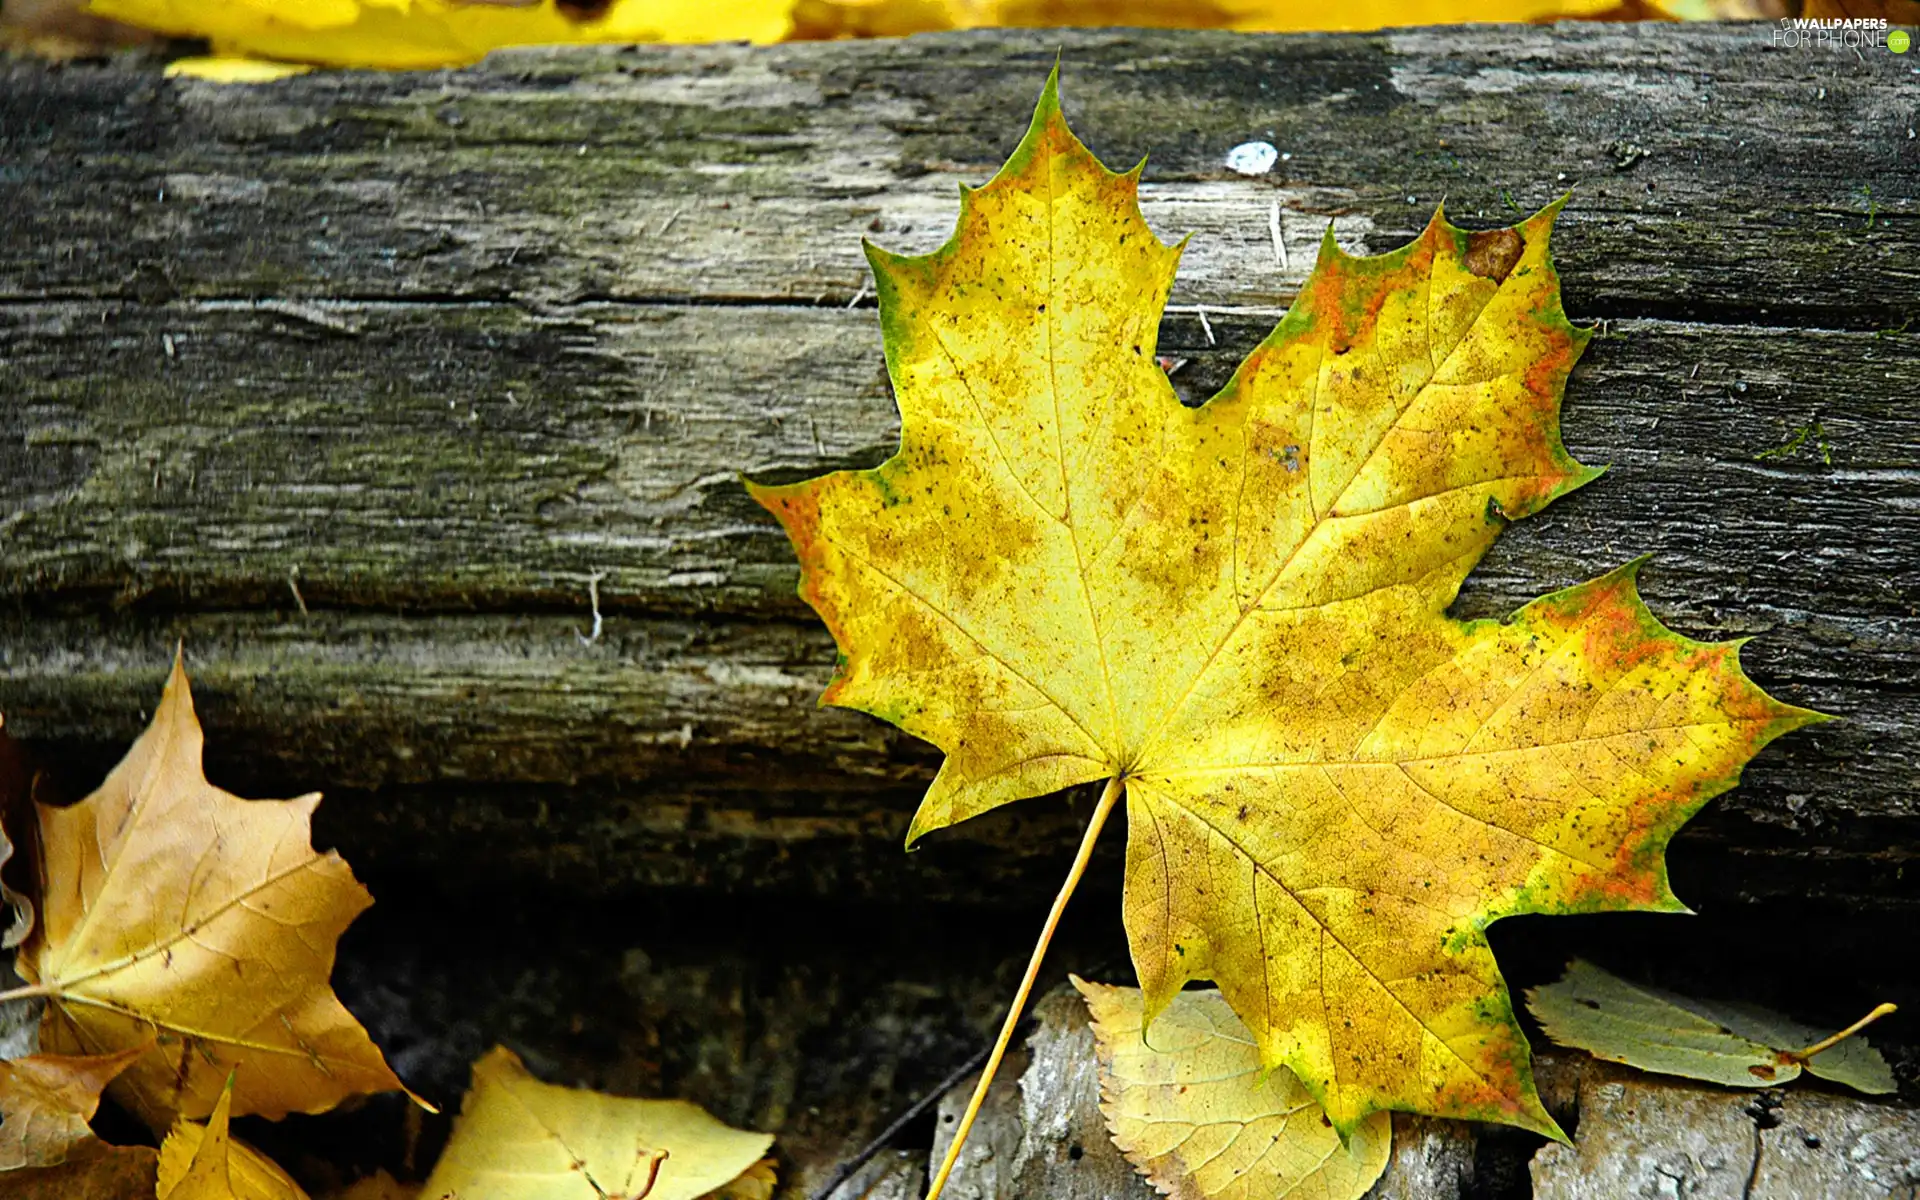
point(416, 406)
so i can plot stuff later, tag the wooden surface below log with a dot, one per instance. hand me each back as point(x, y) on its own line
point(363, 385)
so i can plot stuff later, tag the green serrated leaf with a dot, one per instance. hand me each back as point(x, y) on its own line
point(1852, 1062)
point(1729, 1043)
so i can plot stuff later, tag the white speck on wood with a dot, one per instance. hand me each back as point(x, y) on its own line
point(1252, 158)
point(593, 598)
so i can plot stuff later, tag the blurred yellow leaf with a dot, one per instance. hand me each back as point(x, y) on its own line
point(1282, 15)
point(520, 1139)
point(1194, 1111)
point(203, 1162)
point(228, 68)
point(410, 34)
point(886, 18)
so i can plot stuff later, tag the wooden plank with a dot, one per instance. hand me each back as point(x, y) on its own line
point(1710, 172)
point(484, 456)
point(356, 381)
point(691, 754)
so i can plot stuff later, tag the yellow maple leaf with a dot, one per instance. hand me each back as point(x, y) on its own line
point(1283, 15)
point(520, 1139)
point(1235, 614)
point(412, 34)
point(47, 1102)
point(204, 1162)
point(881, 18)
point(1195, 1112)
point(178, 915)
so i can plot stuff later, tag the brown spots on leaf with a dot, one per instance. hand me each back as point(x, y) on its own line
point(1492, 253)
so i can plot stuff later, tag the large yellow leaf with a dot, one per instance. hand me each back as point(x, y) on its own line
point(1238, 611)
point(204, 1162)
point(176, 913)
point(1195, 1112)
point(47, 1102)
point(520, 1139)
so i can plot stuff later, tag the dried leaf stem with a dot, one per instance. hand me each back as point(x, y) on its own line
point(31, 991)
point(1880, 1010)
point(1114, 789)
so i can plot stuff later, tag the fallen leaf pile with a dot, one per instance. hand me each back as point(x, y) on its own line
point(183, 947)
point(1729, 1043)
point(1236, 615)
point(1197, 1114)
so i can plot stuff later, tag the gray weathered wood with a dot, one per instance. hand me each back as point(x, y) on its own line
point(1644, 1136)
point(355, 381)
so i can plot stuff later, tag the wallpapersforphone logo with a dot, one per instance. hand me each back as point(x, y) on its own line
point(1858, 34)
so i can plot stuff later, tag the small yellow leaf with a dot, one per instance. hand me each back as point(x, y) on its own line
point(1193, 1110)
point(520, 1139)
point(220, 68)
point(46, 1102)
point(177, 911)
point(203, 1162)
point(1272, 15)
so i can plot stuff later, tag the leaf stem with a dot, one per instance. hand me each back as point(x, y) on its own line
point(1879, 1011)
point(32, 991)
point(1115, 787)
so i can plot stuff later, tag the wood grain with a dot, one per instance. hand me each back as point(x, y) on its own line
point(356, 382)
